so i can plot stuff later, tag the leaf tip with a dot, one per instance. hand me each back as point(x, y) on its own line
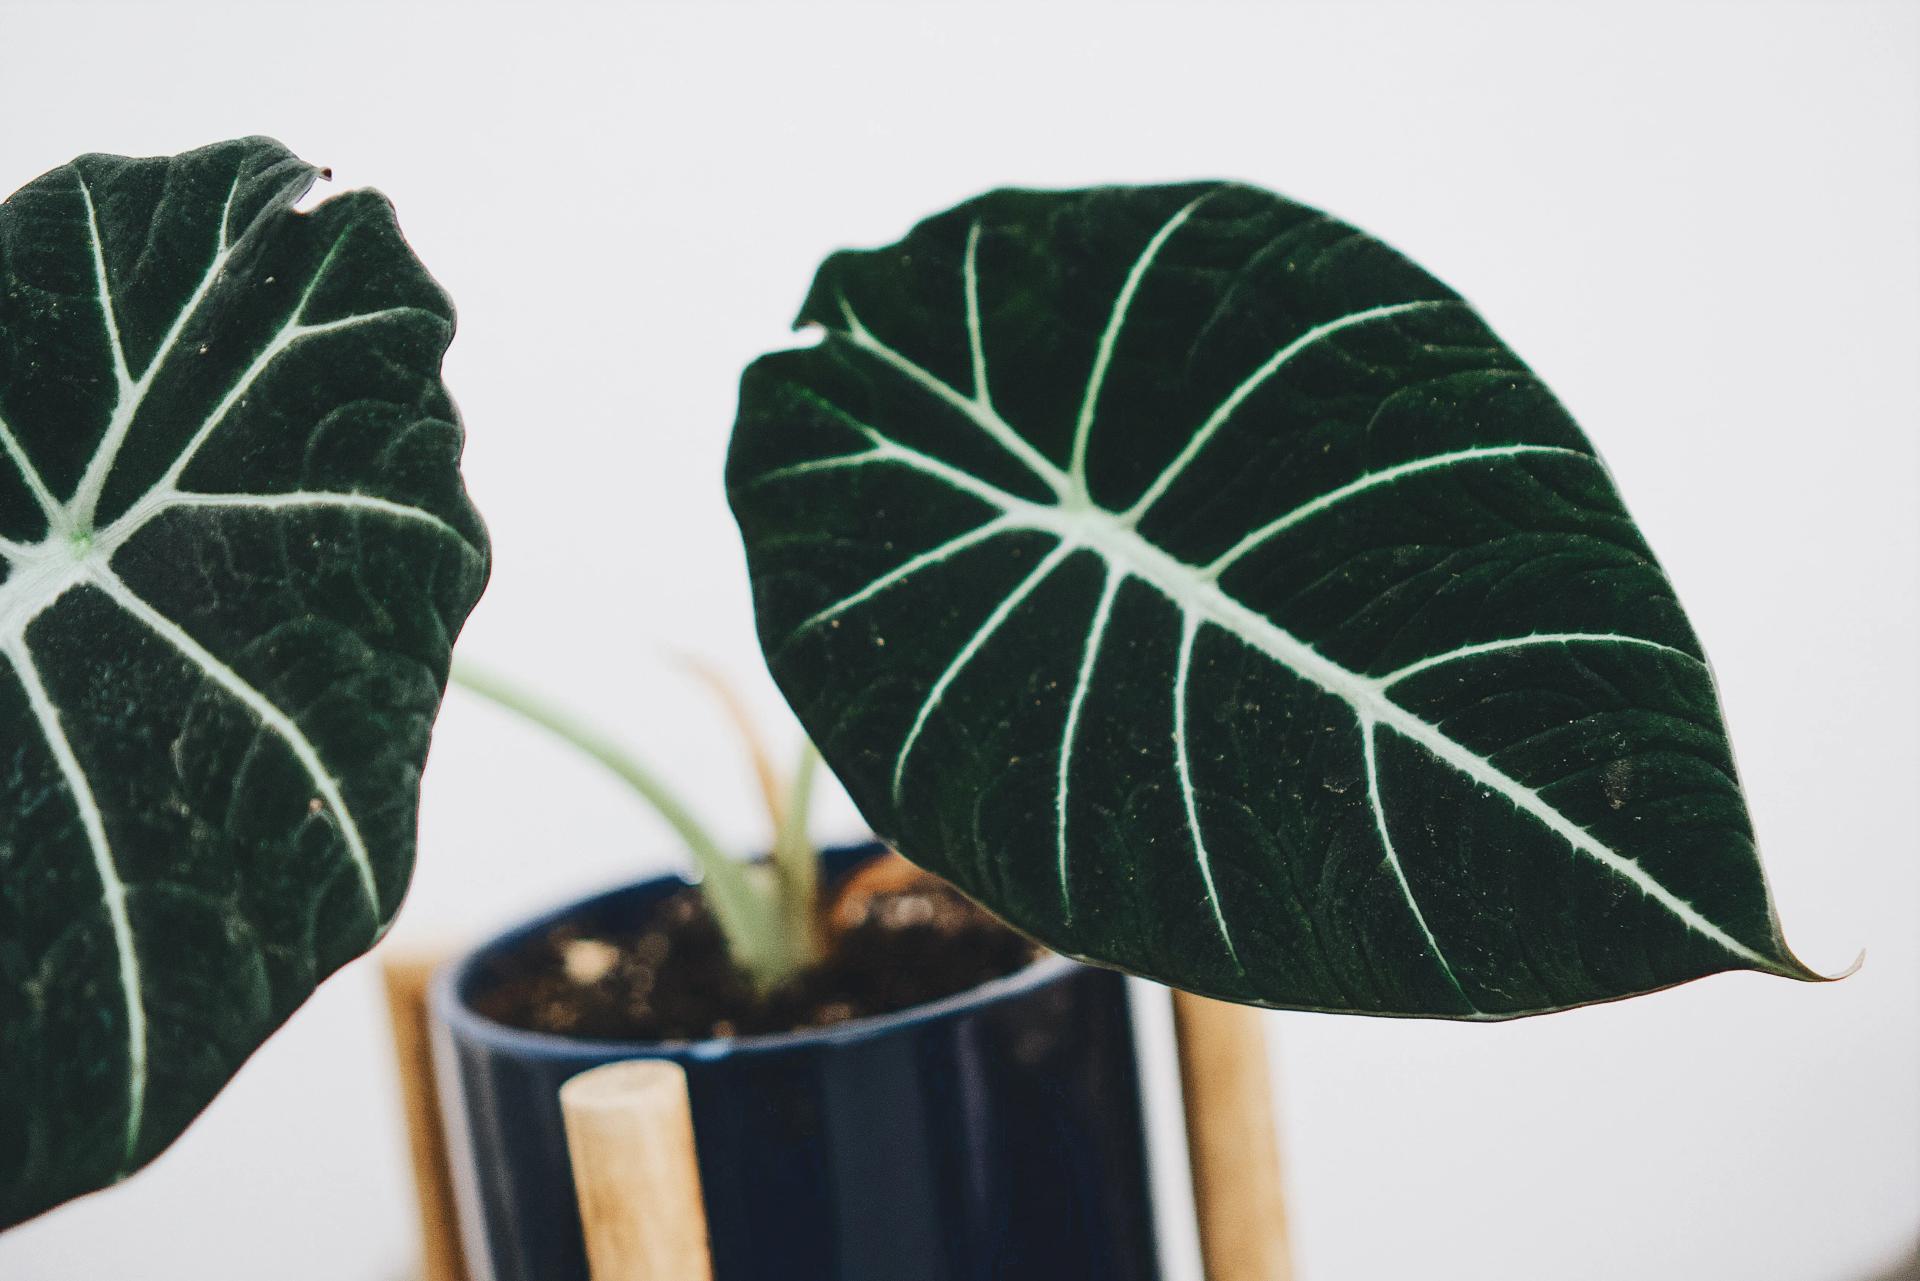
point(1859, 960)
point(1795, 968)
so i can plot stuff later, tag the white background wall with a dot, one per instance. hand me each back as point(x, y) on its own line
point(1698, 221)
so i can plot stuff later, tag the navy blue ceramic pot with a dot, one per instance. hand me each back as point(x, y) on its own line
point(996, 1135)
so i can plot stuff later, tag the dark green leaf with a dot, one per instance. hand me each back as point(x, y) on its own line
point(1200, 584)
point(236, 551)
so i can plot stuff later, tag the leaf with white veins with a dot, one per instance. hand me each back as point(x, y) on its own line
point(236, 550)
point(1203, 586)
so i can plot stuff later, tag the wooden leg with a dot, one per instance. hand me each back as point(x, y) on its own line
point(407, 974)
point(1232, 1140)
point(630, 1134)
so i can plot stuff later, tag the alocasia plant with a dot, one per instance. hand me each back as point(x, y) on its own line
point(1201, 584)
point(236, 550)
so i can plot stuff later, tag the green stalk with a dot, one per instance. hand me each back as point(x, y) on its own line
point(746, 903)
point(796, 864)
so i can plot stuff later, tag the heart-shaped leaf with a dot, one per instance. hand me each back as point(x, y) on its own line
point(1201, 585)
point(236, 551)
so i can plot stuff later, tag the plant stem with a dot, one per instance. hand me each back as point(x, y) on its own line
point(745, 902)
point(736, 710)
point(795, 862)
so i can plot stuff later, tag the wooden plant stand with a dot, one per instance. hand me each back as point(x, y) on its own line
point(630, 1132)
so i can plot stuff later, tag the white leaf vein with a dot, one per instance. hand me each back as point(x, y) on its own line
point(113, 888)
point(975, 409)
point(905, 570)
point(133, 392)
point(1252, 383)
point(103, 292)
point(265, 712)
point(1189, 629)
point(49, 505)
point(1385, 476)
point(1536, 638)
point(1370, 748)
point(308, 498)
point(1103, 355)
point(976, 341)
point(973, 646)
point(1089, 659)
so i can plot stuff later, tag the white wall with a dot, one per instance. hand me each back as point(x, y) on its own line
point(1697, 221)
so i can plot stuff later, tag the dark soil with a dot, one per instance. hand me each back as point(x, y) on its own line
point(905, 945)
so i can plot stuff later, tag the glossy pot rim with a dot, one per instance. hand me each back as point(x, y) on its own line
point(451, 985)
